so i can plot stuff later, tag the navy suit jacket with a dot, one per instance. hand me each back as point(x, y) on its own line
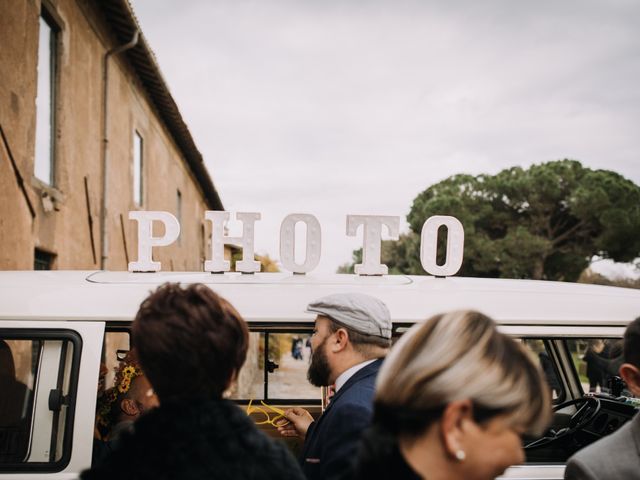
point(332, 441)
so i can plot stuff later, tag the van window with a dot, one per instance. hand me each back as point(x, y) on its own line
point(38, 381)
point(540, 349)
point(276, 368)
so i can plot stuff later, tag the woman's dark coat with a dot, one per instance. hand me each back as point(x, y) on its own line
point(379, 457)
point(196, 439)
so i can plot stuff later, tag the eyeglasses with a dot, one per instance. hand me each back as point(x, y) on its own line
point(268, 420)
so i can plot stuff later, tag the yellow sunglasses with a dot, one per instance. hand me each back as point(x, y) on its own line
point(268, 420)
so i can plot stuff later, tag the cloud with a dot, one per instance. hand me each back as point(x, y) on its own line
point(344, 107)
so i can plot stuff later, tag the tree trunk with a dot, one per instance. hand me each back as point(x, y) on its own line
point(538, 269)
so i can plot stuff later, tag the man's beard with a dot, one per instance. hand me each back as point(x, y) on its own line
point(319, 370)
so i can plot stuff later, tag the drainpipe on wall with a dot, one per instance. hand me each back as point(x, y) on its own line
point(105, 145)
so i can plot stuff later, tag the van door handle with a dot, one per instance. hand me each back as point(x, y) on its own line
point(271, 366)
point(57, 400)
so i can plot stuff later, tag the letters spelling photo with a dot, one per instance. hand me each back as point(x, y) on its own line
point(372, 237)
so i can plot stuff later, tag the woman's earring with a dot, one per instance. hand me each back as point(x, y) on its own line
point(460, 455)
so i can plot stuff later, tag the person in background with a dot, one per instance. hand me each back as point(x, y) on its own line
point(191, 343)
point(453, 399)
point(296, 348)
point(595, 371)
point(120, 406)
point(351, 337)
point(616, 456)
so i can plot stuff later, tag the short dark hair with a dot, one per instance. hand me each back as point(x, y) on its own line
point(359, 340)
point(632, 343)
point(190, 341)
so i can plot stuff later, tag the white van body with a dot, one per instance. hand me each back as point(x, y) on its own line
point(85, 303)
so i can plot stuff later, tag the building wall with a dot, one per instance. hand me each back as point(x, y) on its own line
point(61, 223)
point(18, 49)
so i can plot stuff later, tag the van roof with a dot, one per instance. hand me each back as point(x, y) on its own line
point(283, 297)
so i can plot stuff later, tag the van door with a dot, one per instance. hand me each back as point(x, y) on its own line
point(49, 376)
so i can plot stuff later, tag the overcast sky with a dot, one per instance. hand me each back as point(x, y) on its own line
point(355, 107)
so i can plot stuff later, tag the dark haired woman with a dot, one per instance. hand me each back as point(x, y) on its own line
point(191, 343)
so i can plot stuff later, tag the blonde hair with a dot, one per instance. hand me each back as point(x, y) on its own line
point(459, 356)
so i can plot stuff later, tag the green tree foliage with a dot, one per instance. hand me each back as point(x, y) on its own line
point(546, 221)
point(401, 256)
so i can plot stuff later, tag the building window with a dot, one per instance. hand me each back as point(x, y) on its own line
point(43, 260)
point(45, 100)
point(138, 164)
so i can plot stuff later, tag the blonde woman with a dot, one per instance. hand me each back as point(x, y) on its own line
point(453, 399)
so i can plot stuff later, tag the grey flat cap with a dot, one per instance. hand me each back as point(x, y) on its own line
point(360, 312)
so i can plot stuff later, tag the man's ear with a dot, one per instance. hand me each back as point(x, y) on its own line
point(340, 340)
point(453, 425)
point(129, 407)
point(631, 376)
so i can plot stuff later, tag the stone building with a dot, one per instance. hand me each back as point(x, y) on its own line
point(90, 131)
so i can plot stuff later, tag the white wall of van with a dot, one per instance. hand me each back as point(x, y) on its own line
point(82, 303)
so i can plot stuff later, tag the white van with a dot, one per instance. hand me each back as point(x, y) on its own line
point(56, 328)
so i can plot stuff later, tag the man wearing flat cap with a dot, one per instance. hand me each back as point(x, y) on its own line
point(352, 335)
